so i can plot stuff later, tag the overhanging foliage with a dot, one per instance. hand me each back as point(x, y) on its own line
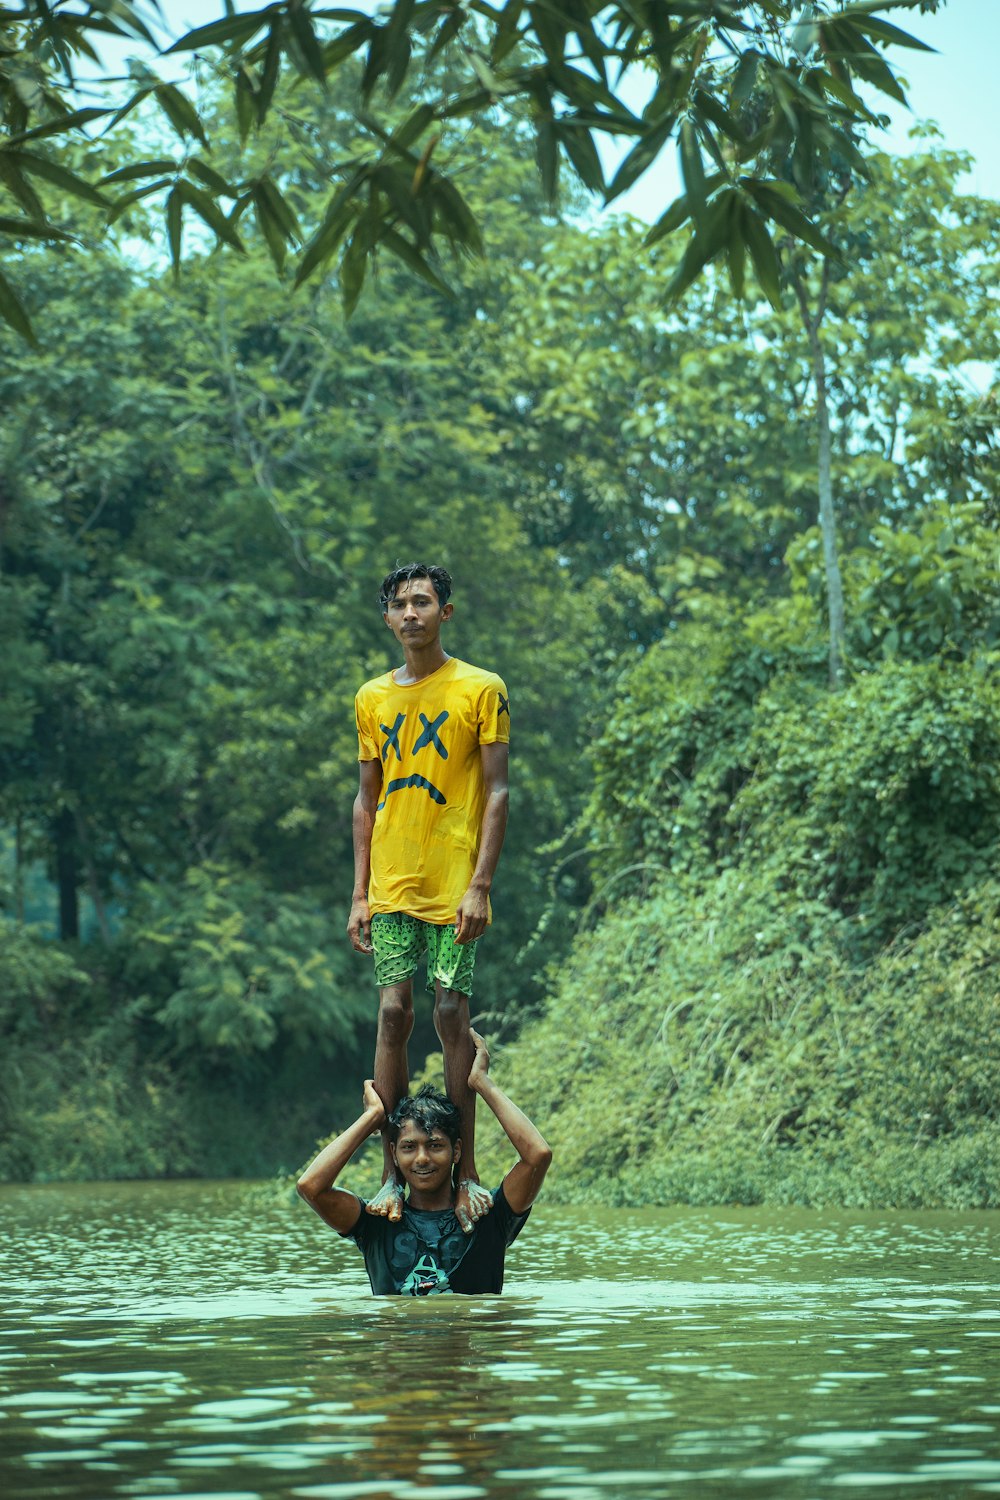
point(740, 87)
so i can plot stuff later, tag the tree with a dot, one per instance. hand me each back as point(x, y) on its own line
point(910, 240)
point(205, 483)
point(798, 892)
point(738, 84)
point(670, 454)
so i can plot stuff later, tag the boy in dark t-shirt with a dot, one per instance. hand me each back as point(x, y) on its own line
point(426, 1252)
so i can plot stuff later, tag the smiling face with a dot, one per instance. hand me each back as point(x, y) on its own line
point(425, 1160)
point(414, 614)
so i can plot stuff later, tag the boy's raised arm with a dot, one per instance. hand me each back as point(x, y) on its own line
point(523, 1181)
point(341, 1209)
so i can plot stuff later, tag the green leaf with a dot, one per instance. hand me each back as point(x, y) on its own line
point(707, 105)
point(583, 91)
point(447, 32)
point(745, 76)
point(886, 31)
point(692, 170)
point(804, 157)
point(396, 72)
point(578, 143)
point(737, 254)
point(396, 141)
point(59, 176)
point(175, 225)
point(270, 228)
point(180, 112)
point(642, 155)
point(665, 38)
point(270, 71)
point(591, 44)
point(838, 89)
point(74, 121)
point(398, 188)
point(778, 208)
point(547, 156)
point(412, 128)
point(18, 185)
point(210, 177)
point(281, 209)
point(700, 249)
point(484, 73)
point(122, 204)
point(457, 219)
point(211, 214)
point(300, 23)
point(764, 257)
point(375, 63)
point(845, 42)
point(138, 169)
point(711, 145)
point(551, 29)
point(348, 43)
point(353, 268)
point(469, 103)
point(12, 312)
point(410, 256)
point(31, 229)
point(218, 33)
point(122, 12)
point(397, 42)
point(506, 33)
point(678, 212)
point(129, 105)
point(340, 215)
point(246, 103)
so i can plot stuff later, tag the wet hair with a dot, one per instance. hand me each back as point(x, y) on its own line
point(440, 577)
point(431, 1110)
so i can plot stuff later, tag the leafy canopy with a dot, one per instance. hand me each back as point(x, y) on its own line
point(740, 88)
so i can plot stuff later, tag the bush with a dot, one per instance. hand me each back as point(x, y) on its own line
point(75, 1099)
point(689, 1055)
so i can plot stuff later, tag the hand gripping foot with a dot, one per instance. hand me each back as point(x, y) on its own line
point(387, 1202)
point(472, 1203)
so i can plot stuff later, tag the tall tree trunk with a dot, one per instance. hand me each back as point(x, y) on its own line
point(19, 869)
point(93, 884)
point(827, 520)
point(67, 875)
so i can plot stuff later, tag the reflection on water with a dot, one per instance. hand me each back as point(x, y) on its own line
point(176, 1340)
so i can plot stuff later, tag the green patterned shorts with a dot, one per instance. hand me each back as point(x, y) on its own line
point(400, 942)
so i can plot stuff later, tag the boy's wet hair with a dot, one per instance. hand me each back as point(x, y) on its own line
point(430, 1110)
point(440, 577)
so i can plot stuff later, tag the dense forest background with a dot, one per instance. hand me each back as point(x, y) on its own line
point(747, 919)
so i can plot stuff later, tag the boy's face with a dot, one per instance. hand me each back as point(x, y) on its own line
point(414, 614)
point(425, 1161)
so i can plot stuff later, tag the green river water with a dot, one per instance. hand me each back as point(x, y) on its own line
point(180, 1339)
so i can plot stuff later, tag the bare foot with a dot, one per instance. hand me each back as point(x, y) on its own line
point(387, 1202)
point(472, 1203)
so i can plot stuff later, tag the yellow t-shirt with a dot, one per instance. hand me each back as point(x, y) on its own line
point(425, 842)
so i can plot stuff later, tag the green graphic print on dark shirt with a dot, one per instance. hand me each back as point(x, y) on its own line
point(427, 1253)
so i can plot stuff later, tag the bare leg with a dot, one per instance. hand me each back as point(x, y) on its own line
point(451, 1021)
point(392, 1081)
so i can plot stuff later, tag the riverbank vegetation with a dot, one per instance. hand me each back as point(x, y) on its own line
point(787, 988)
point(747, 921)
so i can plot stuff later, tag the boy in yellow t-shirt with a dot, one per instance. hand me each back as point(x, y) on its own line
point(429, 822)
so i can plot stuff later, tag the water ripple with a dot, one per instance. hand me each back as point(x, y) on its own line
point(171, 1340)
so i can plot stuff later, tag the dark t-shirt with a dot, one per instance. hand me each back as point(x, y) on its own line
point(426, 1253)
